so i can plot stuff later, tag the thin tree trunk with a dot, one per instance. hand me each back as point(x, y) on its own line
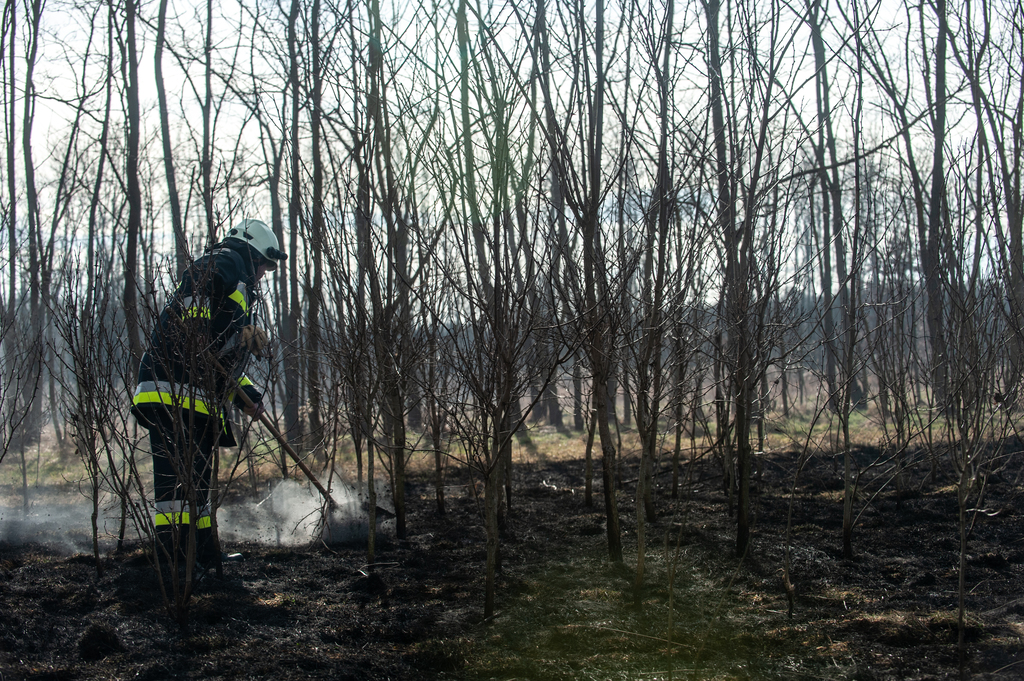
point(207, 152)
point(726, 220)
point(602, 416)
point(294, 426)
point(180, 243)
point(371, 497)
point(577, 395)
point(588, 469)
point(930, 260)
point(10, 20)
point(492, 496)
point(831, 202)
point(134, 123)
point(317, 242)
point(32, 393)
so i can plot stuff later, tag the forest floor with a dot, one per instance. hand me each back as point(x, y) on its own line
point(563, 610)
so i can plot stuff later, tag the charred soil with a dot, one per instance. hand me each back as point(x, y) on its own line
point(564, 611)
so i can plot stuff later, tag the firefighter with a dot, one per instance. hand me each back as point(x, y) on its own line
point(203, 339)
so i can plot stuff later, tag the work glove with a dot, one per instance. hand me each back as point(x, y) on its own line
point(256, 410)
point(254, 339)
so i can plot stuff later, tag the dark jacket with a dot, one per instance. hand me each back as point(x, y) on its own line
point(200, 323)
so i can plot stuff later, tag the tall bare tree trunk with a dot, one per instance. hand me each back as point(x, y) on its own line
point(10, 32)
point(600, 345)
point(649, 364)
point(831, 206)
point(293, 350)
point(10, 216)
point(726, 219)
point(391, 303)
point(180, 242)
point(841, 384)
point(931, 262)
point(207, 152)
point(283, 281)
point(492, 500)
point(131, 286)
point(32, 393)
point(317, 242)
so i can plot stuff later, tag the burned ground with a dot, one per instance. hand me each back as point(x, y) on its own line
point(564, 611)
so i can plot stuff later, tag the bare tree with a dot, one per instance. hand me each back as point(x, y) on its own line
point(977, 421)
point(497, 313)
point(583, 192)
point(840, 343)
point(985, 61)
point(926, 199)
point(36, 259)
point(173, 200)
point(14, 374)
point(647, 341)
point(292, 310)
point(320, 61)
point(748, 214)
point(130, 73)
point(8, 39)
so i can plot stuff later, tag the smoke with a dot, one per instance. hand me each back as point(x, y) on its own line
point(64, 526)
point(290, 515)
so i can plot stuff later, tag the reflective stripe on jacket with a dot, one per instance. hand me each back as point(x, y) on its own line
point(162, 392)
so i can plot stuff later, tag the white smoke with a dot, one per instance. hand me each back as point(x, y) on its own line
point(63, 525)
point(293, 515)
point(290, 515)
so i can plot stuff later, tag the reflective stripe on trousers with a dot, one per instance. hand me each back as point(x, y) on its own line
point(176, 512)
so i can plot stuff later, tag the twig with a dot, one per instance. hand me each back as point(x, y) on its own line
point(633, 633)
point(362, 569)
point(1003, 608)
point(1012, 664)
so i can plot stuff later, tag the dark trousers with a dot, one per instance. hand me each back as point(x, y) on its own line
point(182, 468)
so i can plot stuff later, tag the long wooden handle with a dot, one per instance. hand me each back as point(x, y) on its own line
point(269, 425)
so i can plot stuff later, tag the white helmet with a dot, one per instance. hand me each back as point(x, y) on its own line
point(261, 239)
